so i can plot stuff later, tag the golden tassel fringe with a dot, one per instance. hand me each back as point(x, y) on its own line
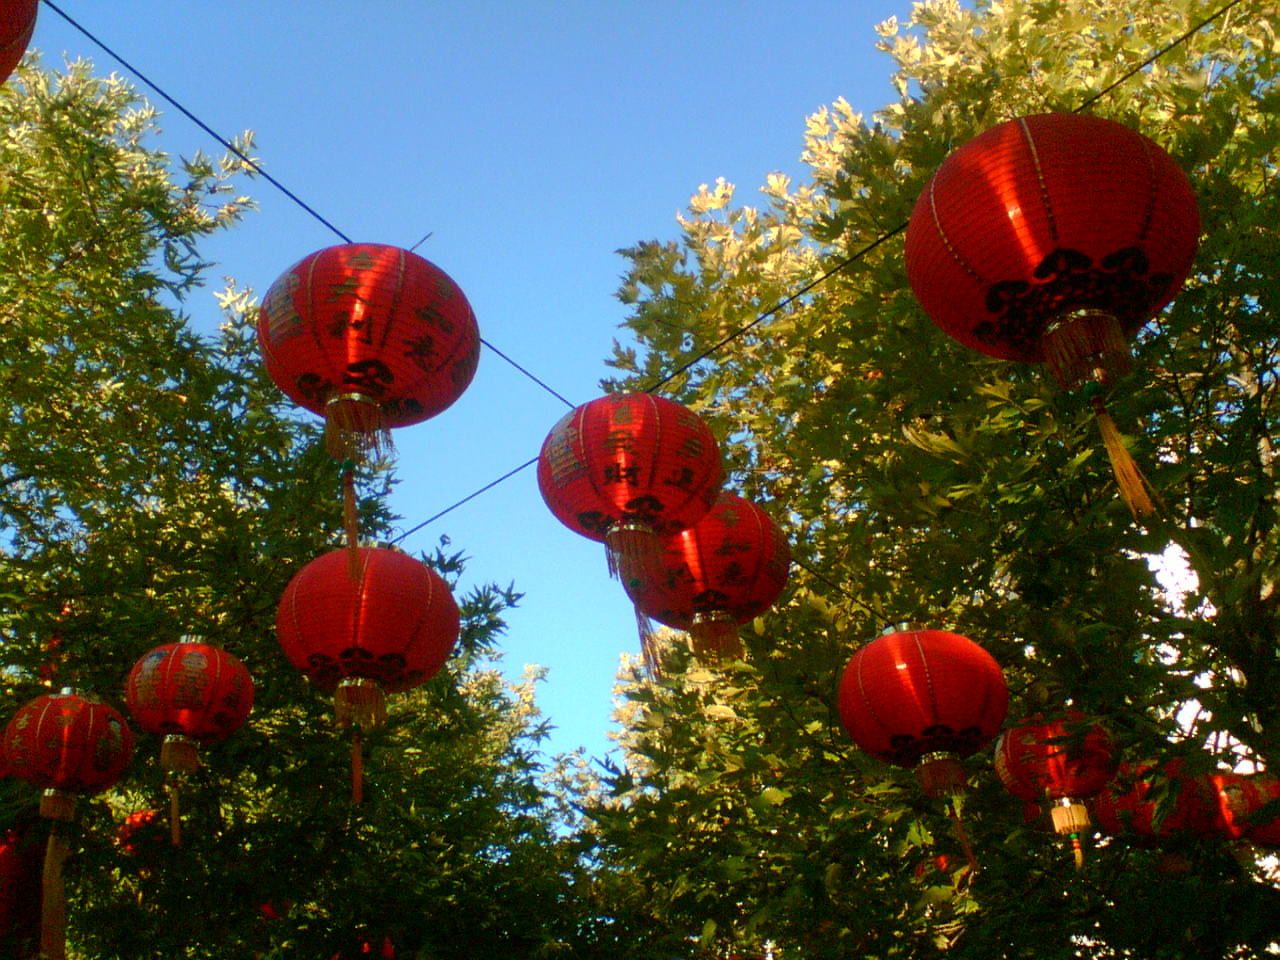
point(1080, 344)
point(1133, 485)
point(360, 702)
point(714, 636)
point(355, 429)
point(635, 555)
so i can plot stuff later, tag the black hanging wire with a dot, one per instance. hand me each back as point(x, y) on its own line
point(691, 362)
point(847, 261)
point(257, 168)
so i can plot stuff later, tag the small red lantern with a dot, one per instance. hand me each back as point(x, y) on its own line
point(66, 744)
point(189, 693)
point(628, 469)
point(1063, 761)
point(718, 574)
point(1151, 803)
point(370, 337)
point(17, 23)
point(1237, 799)
point(924, 699)
point(389, 628)
point(1054, 238)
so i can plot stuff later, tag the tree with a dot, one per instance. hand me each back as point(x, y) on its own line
point(922, 481)
point(155, 484)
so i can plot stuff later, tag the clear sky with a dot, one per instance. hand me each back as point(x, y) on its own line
point(532, 139)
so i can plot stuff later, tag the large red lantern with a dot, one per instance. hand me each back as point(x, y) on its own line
point(370, 337)
point(924, 699)
point(1053, 238)
point(67, 744)
point(628, 469)
point(189, 693)
point(17, 23)
point(387, 629)
point(1063, 761)
point(716, 575)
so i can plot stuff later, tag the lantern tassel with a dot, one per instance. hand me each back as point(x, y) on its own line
point(53, 891)
point(963, 836)
point(355, 429)
point(635, 555)
point(1133, 485)
point(649, 644)
point(351, 521)
point(1085, 343)
point(714, 635)
point(1070, 817)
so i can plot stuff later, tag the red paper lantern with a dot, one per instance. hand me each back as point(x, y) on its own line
point(67, 743)
point(1150, 803)
point(628, 469)
point(1059, 761)
point(189, 693)
point(387, 629)
point(370, 337)
point(17, 23)
point(924, 699)
point(1053, 238)
point(718, 574)
point(1237, 799)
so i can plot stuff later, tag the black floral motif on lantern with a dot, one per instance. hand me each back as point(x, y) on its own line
point(389, 669)
point(906, 749)
point(1066, 280)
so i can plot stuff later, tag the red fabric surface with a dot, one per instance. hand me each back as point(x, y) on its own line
point(1043, 215)
point(735, 560)
point(915, 692)
point(17, 22)
point(374, 320)
point(1078, 765)
point(629, 457)
point(194, 689)
point(67, 742)
point(1139, 797)
point(396, 626)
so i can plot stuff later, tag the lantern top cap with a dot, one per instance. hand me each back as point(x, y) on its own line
point(902, 626)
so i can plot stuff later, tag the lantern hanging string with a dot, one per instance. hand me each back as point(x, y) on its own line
point(702, 355)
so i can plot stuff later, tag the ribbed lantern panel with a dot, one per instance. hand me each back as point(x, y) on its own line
point(1135, 802)
point(1044, 215)
point(374, 321)
point(916, 692)
point(193, 689)
point(396, 624)
point(629, 458)
point(1052, 759)
point(68, 742)
point(734, 560)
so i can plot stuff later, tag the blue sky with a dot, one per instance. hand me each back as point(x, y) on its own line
point(532, 140)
